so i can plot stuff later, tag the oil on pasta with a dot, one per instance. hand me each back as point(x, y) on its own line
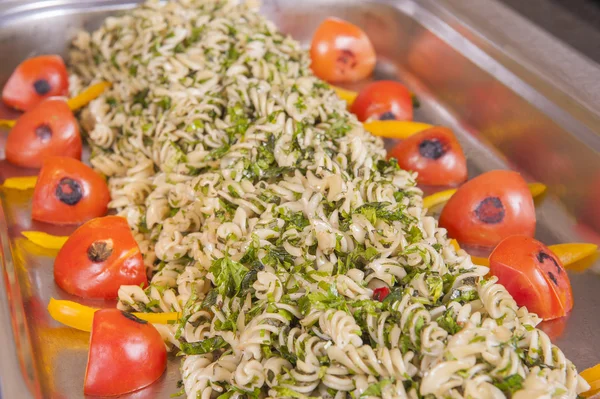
point(267, 216)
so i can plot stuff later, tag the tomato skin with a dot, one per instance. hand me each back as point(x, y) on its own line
point(383, 100)
point(34, 80)
point(49, 129)
point(533, 275)
point(126, 354)
point(341, 52)
point(98, 258)
point(489, 208)
point(435, 154)
point(69, 177)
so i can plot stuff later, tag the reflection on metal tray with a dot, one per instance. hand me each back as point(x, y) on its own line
point(462, 79)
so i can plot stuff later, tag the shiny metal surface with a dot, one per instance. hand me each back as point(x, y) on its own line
point(508, 111)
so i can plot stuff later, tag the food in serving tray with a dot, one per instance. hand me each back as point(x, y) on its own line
point(287, 256)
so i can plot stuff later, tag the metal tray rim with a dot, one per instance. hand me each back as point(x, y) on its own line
point(13, 334)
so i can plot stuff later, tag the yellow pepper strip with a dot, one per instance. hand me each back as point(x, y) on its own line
point(537, 189)
point(7, 123)
point(75, 103)
point(86, 96)
point(45, 240)
point(349, 96)
point(395, 129)
point(80, 317)
point(592, 376)
point(571, 253)
point(568, 254)
point(346, 95)
point(575, 256)
point(20, 183)
point(455, 244)
point(477, 260)
point(440, 197)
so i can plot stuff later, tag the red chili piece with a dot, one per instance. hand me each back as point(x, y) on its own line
point(379, 294)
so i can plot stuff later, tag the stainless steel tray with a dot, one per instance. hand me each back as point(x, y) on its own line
point(474, 65)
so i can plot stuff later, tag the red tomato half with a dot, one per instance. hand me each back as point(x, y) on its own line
point(435, 154)
point(533, 275)
point(383, 100)
point(49, 129)
point(126, 354)
point(34, 80)
point(489, 208)
point(98, 258)
point(341, 52)
point(68, 192)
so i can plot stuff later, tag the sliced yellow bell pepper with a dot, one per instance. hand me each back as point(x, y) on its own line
point(387, 129)
point(78, 316)
point(45, 240)
point(20, 183)
point(75, 103)
point(7, 123)
point(568, 254)
point(571, 253)
point(576, 256)
point(440, 197)
point(88, 95)
point(395, 129)
point(349, 96)
point(477, 260)
point(346, 95)
point(455, 244)
point(592, 376)
point(537, 189)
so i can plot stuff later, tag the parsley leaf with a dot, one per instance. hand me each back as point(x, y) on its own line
point(382, 210)
point(228, 275)
point(202, 347)
point(328, 298)
point(376, 389)
point(448, 322)
point(414, 235)
point(510, 384)
point(435, 285)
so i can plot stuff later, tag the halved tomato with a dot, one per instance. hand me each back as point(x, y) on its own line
point(383, 100)
point(489, 208)
point(435, 154)
point(49, 129)
point(98, 258)
point(69, 192)
point(126, 354)
point(341, 52)
point(34, 80)
point(533, 275)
